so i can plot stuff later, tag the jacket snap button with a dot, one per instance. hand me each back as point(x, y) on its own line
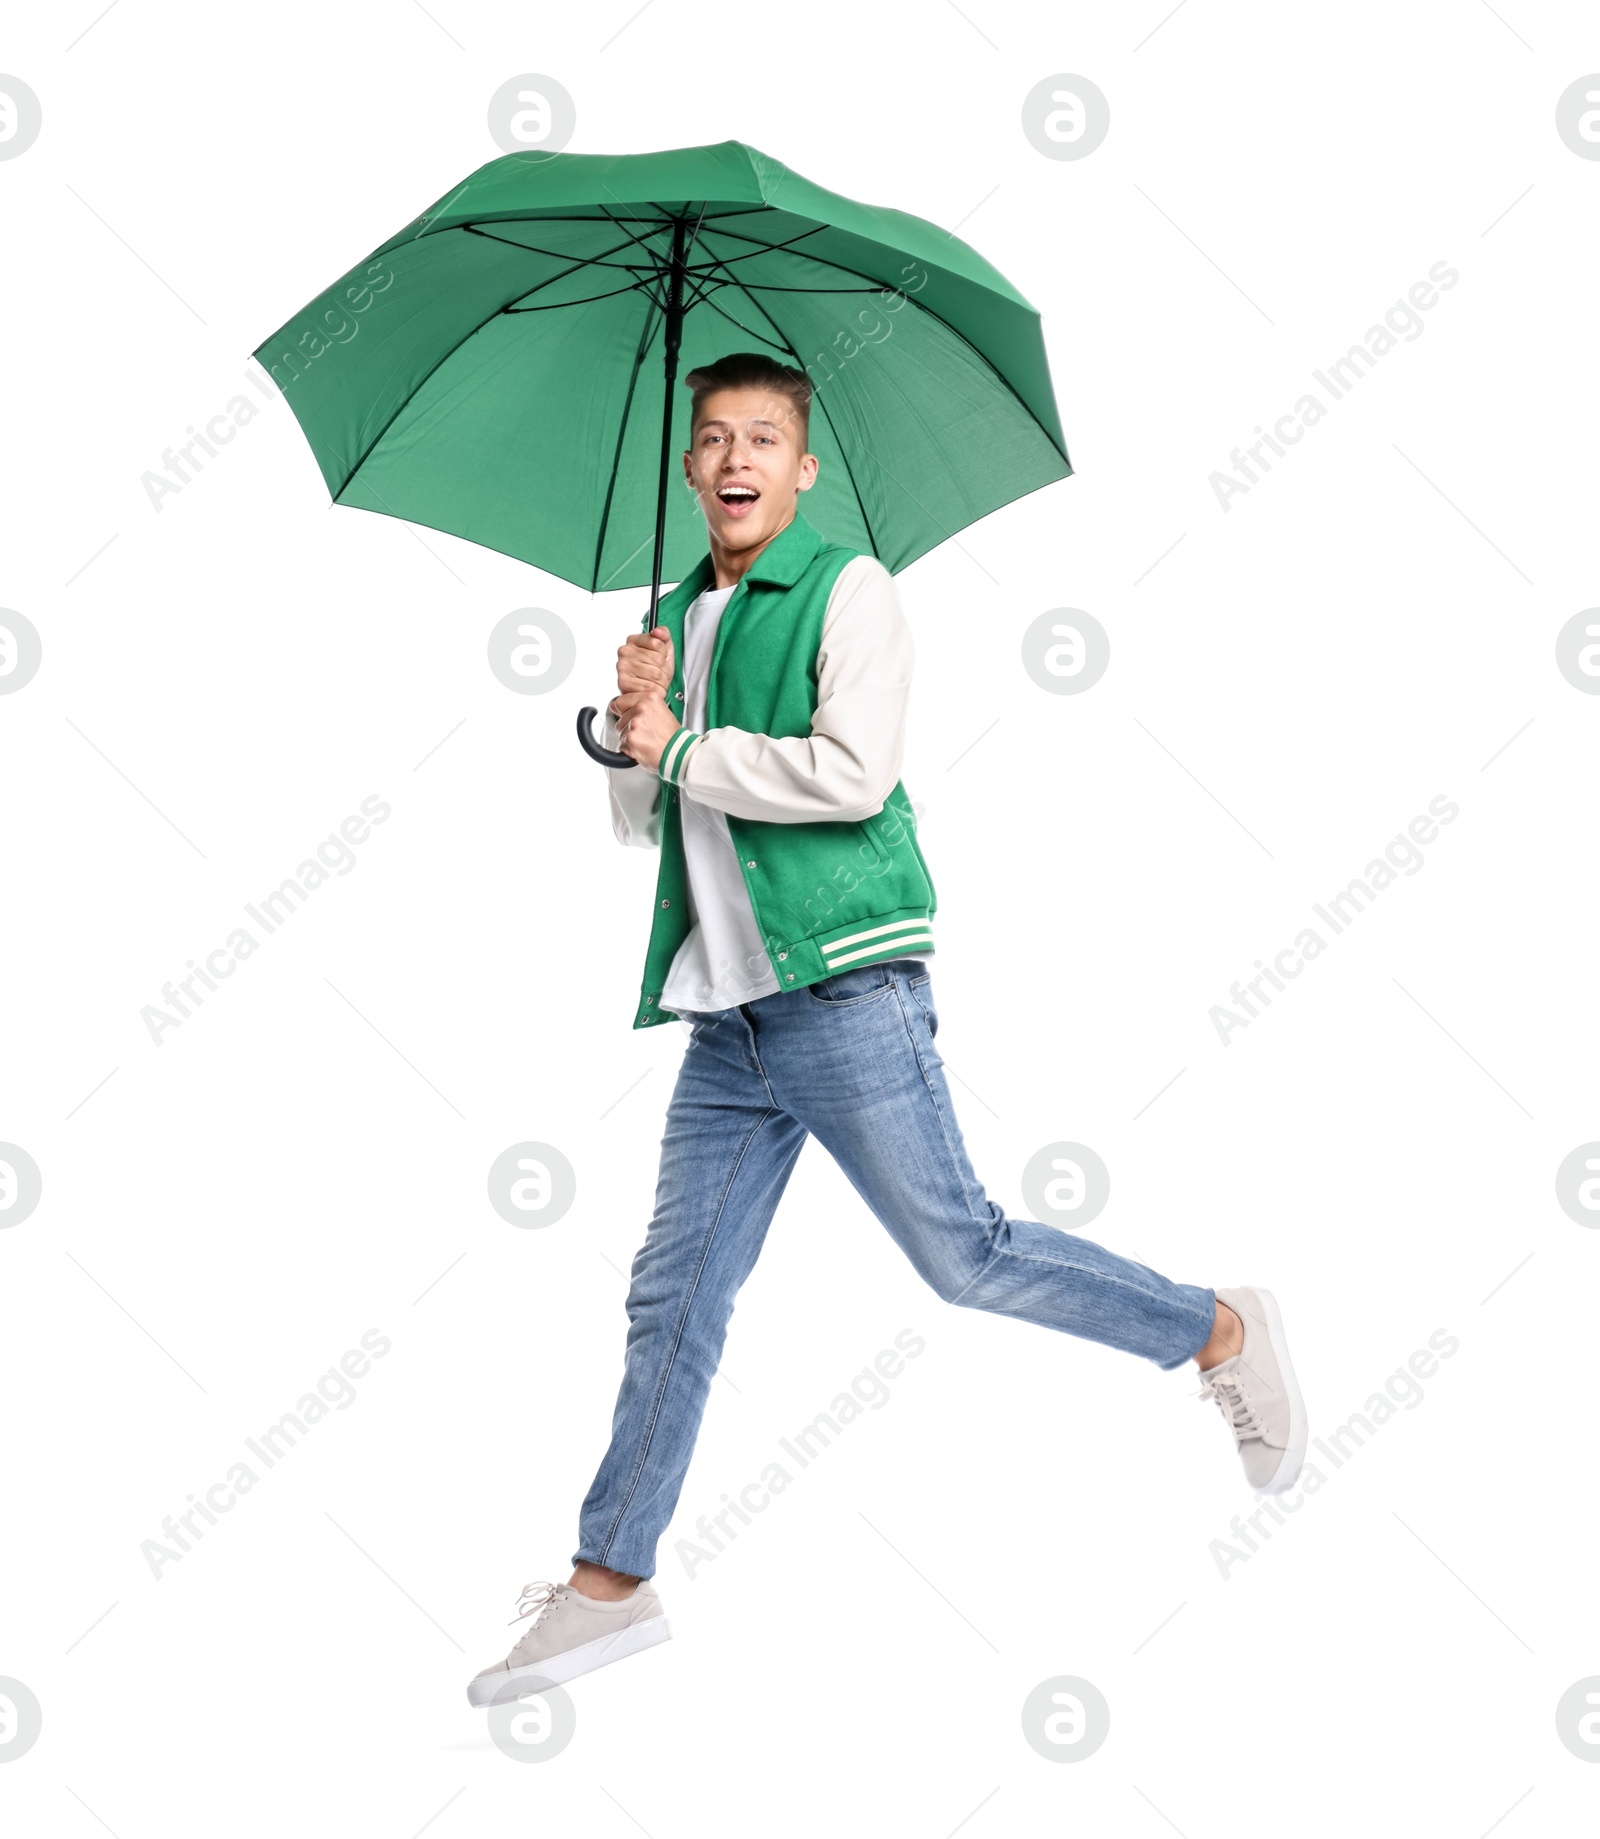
point(782, 955)
point(666, 903)
point(677, 696)
point(749, 865)
point(789, 975)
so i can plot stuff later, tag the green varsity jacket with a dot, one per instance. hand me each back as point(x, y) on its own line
point(826, 895)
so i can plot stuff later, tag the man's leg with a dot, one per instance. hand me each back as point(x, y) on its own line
point(854, 1060)
point(1227, 1338)
point(726, 1157)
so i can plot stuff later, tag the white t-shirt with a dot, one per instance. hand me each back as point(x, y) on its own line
point(722, 961)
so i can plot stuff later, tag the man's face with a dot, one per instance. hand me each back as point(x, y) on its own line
point(748, 441)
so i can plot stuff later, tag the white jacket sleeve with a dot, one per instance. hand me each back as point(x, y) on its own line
point(847, 766)
point(635, 794)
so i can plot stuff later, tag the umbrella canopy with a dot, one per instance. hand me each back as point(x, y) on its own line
point(502, 368)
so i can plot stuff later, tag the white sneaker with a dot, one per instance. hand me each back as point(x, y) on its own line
point(1257, 1394)
point(570, 1634)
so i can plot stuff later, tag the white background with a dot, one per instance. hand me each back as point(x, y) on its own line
point(1291, 681)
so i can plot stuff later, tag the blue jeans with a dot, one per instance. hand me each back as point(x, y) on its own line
point(852, 1061)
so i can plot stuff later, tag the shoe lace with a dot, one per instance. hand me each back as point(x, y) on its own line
point(533, 1603)
point(1233, 1400)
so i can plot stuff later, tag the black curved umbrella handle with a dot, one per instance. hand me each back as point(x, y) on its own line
point(603, 755)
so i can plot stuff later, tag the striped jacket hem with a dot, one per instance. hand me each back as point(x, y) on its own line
point(900, 939)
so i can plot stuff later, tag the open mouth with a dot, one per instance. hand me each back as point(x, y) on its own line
point(738, 500)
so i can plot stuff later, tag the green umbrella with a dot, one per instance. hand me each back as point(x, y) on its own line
point(504, 368)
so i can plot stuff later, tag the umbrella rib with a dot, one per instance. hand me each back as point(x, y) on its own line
point(574, 264)
point(954, 331)
point(653, 273)
point(645, 337)
point(844, 268)
point(550, 281)
point(560, 255)
point(738, 236)
point(821, 400)
point(748, 331)
point(762, 248)
point(607, 215)
point(410, 397)
point(655, 270)
point(706, 272)
point(445, 358)
point(772, 287)
point(555, 306)
point(703, 292)
point(660, 270)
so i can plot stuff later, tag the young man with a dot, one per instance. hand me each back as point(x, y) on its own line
point(793, 919)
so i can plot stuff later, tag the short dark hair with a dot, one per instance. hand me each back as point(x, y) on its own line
point(752, 370)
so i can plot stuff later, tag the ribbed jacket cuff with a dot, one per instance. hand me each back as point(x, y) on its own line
point(675, 755)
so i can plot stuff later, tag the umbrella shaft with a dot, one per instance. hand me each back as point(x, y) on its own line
point(673, 339)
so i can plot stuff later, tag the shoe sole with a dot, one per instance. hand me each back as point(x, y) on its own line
point(559, 1668)
point(1288, 1472)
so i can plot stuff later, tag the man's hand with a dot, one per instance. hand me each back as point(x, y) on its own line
point(644, 676)
point(645, 661)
